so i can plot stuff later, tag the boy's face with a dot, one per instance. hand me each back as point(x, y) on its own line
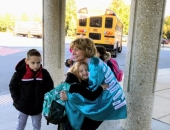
point(83, 72)
point(34, 62)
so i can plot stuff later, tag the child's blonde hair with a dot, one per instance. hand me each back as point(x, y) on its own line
point(75, 68)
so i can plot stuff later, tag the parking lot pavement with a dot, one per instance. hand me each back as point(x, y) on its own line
point(160, 118)
point(161, 113)
point(9, 40)
point(20, 41)
point(9, 118)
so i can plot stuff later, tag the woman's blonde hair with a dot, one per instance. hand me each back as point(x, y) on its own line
point(86, 45)
point(75, 68)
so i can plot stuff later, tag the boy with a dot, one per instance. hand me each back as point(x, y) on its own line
point(27, 87)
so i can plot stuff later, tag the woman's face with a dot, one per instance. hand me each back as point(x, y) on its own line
point(78, 54)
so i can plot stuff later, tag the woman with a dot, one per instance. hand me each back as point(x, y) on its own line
point(78, 77)
point(111, 104)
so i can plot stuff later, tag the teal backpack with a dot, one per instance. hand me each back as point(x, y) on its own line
point(53, 107)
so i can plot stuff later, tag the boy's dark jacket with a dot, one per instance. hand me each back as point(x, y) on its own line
point(27, 88)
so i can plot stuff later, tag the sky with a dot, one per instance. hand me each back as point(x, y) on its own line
point(105, 3)
point(17, 7)
point(167, 10)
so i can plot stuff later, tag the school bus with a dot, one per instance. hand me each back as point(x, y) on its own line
point(102, 26)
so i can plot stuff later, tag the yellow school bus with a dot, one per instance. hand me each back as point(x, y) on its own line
point(102, 26)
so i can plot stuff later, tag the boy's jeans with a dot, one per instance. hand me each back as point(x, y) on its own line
point(22, 120)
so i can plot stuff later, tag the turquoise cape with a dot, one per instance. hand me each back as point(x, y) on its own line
point(111, 105)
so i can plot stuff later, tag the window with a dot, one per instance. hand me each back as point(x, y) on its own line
point(108, 22)
point(95, 21)
point(82, 20)
point(95, 36)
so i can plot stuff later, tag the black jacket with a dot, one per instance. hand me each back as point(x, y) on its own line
point(82, 87)
point(68, 65)
point(27, 88)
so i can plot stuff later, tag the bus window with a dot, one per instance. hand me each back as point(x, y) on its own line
point(82, 20)
point(95, 21)
point(95, 36)
point(108, 22)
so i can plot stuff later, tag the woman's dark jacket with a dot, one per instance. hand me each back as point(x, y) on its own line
point(28, 87)
point(67, 64)
point(82, 87)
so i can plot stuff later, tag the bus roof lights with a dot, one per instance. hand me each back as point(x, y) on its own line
point(110, 12)
point(83, 11)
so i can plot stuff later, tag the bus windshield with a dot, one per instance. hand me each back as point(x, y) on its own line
point(95, 21)
point(108, 22)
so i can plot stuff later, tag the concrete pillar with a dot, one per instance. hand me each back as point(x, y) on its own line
point(54, 38)
point(146, 19)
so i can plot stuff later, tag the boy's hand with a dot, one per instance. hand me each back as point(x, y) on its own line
point(104, 86)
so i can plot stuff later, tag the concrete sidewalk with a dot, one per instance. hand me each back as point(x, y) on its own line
point(161, 112)
point(162, 97)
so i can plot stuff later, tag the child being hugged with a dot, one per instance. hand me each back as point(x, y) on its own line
point(27, 87)
point(78, 77)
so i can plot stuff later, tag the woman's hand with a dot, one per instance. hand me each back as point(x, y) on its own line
point(63, 95)
point(104, 86)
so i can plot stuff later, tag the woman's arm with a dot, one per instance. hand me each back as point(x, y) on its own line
point(86, 93)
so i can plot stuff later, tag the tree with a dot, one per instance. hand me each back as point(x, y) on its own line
point(37, 18)
point(24, 17)
point(123, 12)
point(72, 27)
point(167, 20)
point(71, 16)
point(6, 22)
point(168, 34)
point(166, 27)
